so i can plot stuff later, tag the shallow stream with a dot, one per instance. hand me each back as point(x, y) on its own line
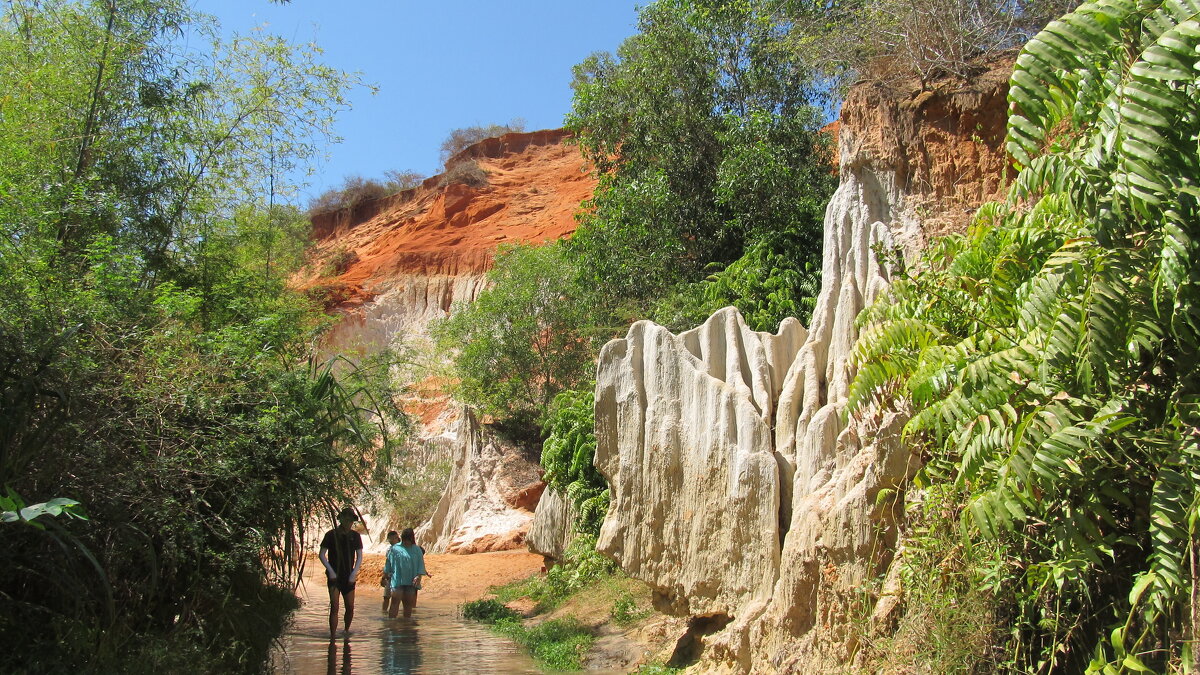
point(435, 640)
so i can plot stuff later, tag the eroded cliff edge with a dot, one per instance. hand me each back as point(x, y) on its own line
point(389, 266)
point(740, 492)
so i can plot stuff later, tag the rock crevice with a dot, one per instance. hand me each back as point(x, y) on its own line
point(486, 505)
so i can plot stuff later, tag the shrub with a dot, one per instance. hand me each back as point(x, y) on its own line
point(568, 455)
point(953, 617)
point(403, 180)
point(488, 611)
point(461, 139)
point(882, 40)
point(356, 190)
point(582, 565)
point(467, 172)
point(774, 279)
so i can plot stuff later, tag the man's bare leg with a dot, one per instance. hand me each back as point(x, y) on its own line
point(333, 610)
point(386, 597)
point(394, 605)
point(409, 597)
point(349, 609)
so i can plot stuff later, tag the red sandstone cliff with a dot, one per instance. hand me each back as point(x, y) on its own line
point(535, 183)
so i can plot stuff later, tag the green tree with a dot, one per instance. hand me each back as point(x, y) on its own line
point(519, 343)
point(1051, 354)
point(153, 365)
point(704, 130)
point(127, 135)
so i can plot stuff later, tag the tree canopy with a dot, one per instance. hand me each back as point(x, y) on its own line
point(156, 374)
point(704, 129)
point(519, 344)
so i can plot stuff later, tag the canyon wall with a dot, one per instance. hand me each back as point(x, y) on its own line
point(388, 267)
point(391, 265)
point(741, 493)
point(489, 499)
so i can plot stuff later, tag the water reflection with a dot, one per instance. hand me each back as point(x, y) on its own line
point(436, 640)
point(333, 657)
point(401, 648)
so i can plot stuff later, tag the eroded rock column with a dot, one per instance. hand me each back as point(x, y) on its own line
point(683, 433)
point(485, 506)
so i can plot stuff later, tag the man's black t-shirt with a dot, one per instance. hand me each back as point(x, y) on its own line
point(342, 546)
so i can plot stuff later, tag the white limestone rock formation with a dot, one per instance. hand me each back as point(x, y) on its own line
point(553, 525)
point(683, 433)
point(488, 501)
point(402, 310)
point(740, 490)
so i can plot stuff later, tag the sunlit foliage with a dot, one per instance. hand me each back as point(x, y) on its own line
point(1051, 353)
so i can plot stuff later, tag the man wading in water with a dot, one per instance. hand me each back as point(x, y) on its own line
point(342, 555)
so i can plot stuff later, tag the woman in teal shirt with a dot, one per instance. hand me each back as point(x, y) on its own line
point(404, 567)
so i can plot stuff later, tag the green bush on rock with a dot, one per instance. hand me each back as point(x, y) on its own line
point(568, 455)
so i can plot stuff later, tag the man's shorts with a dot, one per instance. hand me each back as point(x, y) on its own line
point(343, 585)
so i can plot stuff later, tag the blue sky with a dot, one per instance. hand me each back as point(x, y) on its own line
point(438, 66)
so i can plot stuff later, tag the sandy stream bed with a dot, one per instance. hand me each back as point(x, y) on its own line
point(459, 578)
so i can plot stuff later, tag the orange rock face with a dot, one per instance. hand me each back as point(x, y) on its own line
point(535, 184)
point(945, 142)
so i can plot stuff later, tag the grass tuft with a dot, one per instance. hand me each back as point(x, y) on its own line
point(625, 611)
point(488, 611)
point(560, 644)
